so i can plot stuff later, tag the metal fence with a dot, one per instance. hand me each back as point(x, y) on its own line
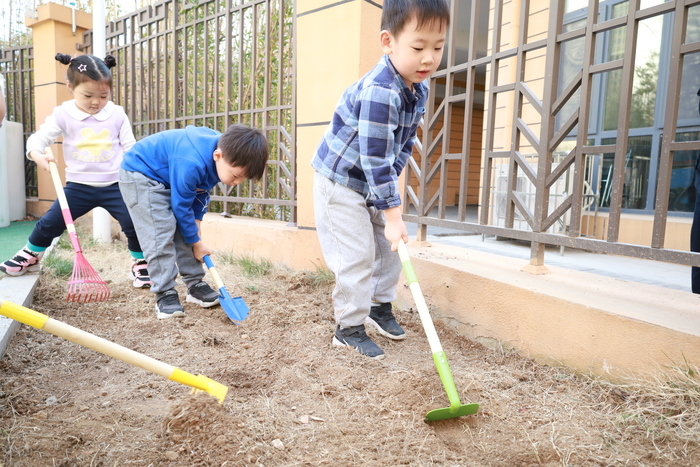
point(554, 95)
point(17, 67)
point(214, 63)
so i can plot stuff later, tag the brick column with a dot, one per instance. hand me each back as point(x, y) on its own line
point(53, 33)
point(336, 43)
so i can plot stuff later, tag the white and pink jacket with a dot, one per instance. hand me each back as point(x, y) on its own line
point(93, 145)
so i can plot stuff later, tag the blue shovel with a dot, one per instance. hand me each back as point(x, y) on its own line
point(235, 307)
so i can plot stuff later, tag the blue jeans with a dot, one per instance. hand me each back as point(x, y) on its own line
point(81, 200)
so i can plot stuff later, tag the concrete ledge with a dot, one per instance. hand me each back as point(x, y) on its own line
point(277, 241)
point(595, 324)
point(19, 290)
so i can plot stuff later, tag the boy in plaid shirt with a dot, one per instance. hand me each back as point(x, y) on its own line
point(363, 151)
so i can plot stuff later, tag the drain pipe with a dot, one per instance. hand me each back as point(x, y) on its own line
point(101, 219)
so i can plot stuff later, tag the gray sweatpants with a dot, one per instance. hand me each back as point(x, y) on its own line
point(352, 240)
point(163, 247)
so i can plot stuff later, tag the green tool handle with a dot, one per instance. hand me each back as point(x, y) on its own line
point(443, 369)
point(439, 356)
point(91, 341)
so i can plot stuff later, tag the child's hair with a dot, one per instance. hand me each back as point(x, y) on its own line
point(396, 13)
point(246, 147)
point(83, 68)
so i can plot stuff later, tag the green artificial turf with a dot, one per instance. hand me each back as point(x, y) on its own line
point(14, 237)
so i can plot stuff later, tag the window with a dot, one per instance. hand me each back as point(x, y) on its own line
point(647, 106)
point(682, 190)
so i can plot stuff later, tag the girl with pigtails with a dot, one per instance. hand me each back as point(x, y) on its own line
point(96, 133)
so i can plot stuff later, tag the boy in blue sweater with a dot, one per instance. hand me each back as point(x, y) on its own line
point(165, 180)
point(358, 162)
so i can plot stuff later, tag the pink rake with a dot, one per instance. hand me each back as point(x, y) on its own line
point(85, 285)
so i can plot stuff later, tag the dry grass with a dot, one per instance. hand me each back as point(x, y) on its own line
point(664, 408)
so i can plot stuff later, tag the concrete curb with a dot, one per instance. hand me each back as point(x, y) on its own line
point(19, 290)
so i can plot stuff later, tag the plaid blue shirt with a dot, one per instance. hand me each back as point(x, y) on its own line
point(372, 133)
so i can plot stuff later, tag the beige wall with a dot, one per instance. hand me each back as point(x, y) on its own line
point(332, 32)
point(636, 229)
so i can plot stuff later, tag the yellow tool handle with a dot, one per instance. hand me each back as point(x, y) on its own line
point(23, 315)
point(214, 273)
point(60, 329)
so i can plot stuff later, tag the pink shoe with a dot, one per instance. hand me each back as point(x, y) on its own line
point(23, 261)
point(139, 274)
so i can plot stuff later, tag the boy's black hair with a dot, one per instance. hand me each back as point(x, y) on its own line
point(396, 13)
point(83, 68)
point(246, 147)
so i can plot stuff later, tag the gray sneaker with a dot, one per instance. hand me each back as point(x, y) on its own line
point(382, 319)
point(168, 305)
point(203, 295)
point(356, 337)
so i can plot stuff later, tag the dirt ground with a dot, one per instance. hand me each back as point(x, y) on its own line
point(294, 400)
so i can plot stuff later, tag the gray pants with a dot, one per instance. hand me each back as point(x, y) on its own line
point(164, 248)
point(352, 240)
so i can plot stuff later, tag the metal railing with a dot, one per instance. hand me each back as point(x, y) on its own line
point(214, 63)
point(503, 88)
point(17, 66)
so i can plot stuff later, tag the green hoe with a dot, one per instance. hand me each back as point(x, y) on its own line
point(456, 408)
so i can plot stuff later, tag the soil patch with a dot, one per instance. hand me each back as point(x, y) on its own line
point(294, 400)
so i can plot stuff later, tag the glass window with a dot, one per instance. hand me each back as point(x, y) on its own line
point(690, 86)
point(636, 178)
point(570, 65)
point(692, 33)
point(646, 109)
point(682, 189)
point(646, 72)
point(690, 83)
point(613, 80)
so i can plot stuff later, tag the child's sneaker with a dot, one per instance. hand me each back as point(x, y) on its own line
point(168, 305)
point(381, 317)
point(23, 261)
point(356, 337)
point(139, 274)
point(202, 295)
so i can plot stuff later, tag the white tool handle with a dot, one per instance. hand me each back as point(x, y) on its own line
point(58, 185)
point(428, 326)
